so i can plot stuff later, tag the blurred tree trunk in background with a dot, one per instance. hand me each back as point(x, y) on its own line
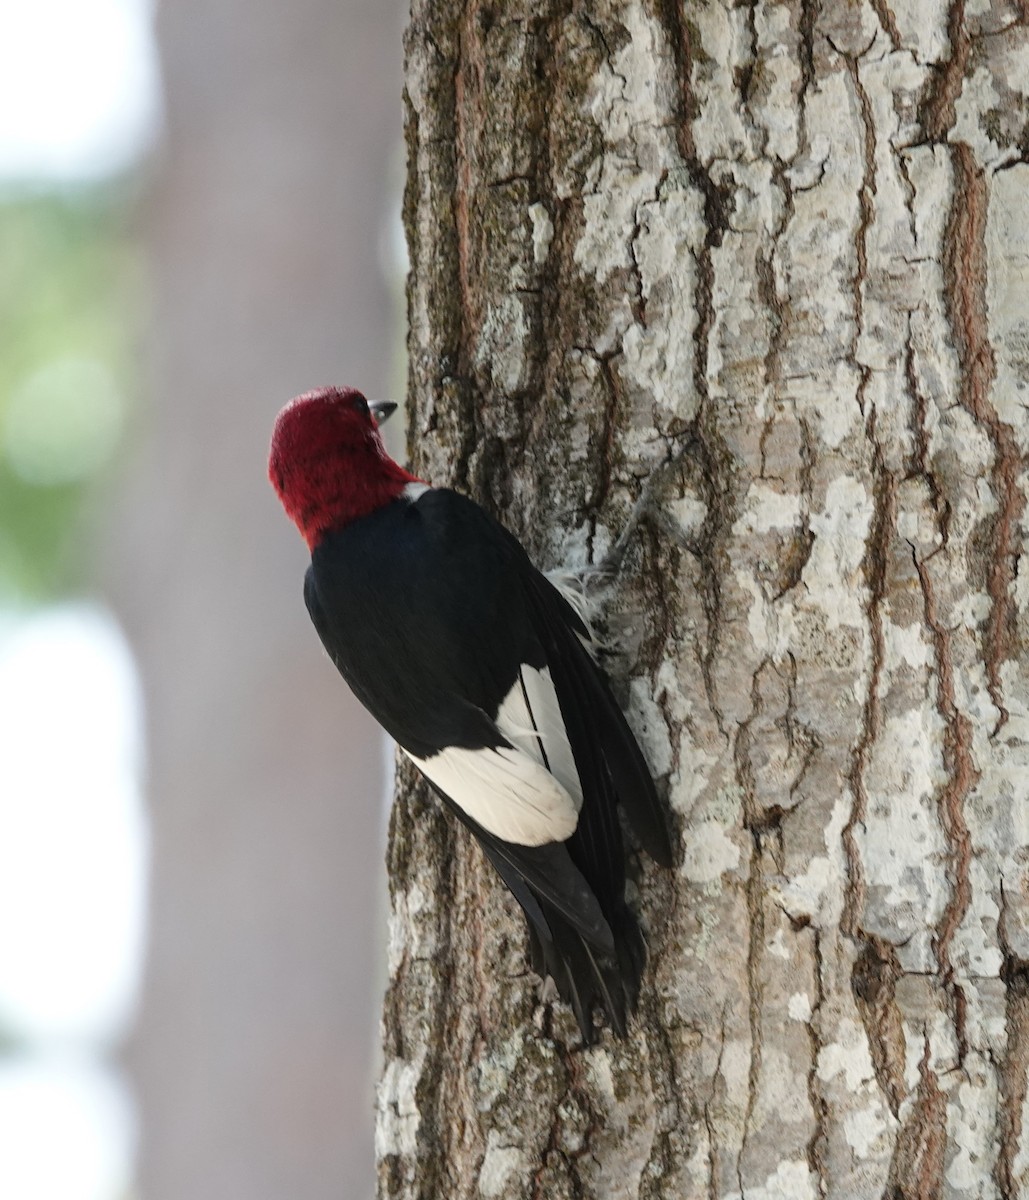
point(253, 1058)
point(788, 242)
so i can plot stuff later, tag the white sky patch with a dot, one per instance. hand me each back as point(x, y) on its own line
point(67, 1131)
point(78, 88)
point(72, 828)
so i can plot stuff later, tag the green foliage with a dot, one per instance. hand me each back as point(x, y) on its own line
point(68, 277)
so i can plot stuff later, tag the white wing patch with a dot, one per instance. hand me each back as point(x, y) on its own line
point(528, 793)
point(530, 717)
point(506, 791)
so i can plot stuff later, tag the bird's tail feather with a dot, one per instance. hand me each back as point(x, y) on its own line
point(586, 976)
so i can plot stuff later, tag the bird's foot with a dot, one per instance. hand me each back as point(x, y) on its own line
point(584, 586)
point(647, 507)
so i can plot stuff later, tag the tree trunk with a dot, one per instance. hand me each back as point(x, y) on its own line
point(785, 245)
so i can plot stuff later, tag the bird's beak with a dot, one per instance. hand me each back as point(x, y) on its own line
point(382, 410)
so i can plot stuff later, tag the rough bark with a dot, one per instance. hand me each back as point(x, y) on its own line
point(787, 245)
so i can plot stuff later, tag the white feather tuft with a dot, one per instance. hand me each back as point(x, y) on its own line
point(583, 599)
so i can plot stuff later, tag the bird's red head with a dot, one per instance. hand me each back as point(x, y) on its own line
point(328, 463)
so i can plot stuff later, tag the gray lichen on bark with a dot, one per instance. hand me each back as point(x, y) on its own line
point(785, 244)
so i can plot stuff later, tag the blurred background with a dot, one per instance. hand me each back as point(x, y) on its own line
point(199, 218)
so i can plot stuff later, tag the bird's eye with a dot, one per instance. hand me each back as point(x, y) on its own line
point(360, 404)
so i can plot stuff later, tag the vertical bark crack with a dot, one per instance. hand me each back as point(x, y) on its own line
point(808, 18)
point(817, 1150)
point(714, 1167)
point(888, 21)
point(874, 984)
point(965, 274)
point(880, 533)
point(1013, 1068)
point(920, 457)
point(916, 1170)
point(755, 914)
point(718, 207)
point(605, 450)
point(671, 1143)
point(458, 108)
point(939, 103)
point(575, 1099)
point(866, 215)
point(963, 776)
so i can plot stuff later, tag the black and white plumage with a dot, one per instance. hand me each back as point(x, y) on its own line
point(476, 664)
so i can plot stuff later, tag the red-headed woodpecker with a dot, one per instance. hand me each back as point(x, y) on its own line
point(477, 665)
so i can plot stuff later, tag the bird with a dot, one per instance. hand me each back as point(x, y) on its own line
point(481, 670)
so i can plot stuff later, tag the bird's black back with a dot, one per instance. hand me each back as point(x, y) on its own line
point(428, 609)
